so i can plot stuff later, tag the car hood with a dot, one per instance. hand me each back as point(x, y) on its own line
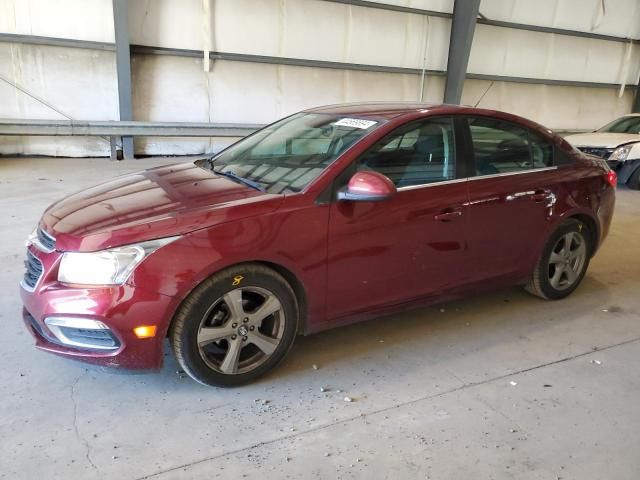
point(156, 203)
point(601, 139)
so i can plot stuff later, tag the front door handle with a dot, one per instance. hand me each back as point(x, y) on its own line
point(448, 216)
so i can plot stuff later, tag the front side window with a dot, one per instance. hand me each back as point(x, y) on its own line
point(503, 147)
point(415, 154)
point(290, 154)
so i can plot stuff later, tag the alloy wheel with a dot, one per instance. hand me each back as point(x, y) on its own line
point(241, 330)
point(567, 260)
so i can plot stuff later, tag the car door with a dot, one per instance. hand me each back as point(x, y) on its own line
point(408, 246)
point(511, 198)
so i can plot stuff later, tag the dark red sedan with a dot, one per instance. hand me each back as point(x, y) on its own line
point(329, 216)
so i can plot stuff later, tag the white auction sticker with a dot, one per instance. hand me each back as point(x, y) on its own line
point(355, 123)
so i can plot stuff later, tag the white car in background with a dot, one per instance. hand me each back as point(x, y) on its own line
point(618, 143)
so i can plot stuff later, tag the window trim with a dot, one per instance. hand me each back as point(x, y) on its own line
point(432, 184)
point(472, 156)
point(506, 174)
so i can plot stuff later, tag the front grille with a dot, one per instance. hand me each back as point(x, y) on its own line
point(46, 240)
point(597, 151)
point(34, 270)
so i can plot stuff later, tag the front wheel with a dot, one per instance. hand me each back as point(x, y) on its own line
point(563, 262)
point(235, 326)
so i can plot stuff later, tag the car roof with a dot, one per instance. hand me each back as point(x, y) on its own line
point(394, 109)
point(378, 109)
point(389, 110)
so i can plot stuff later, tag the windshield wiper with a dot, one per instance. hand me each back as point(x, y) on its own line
point(234, 176)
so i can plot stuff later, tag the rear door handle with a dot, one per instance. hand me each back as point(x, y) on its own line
point(448, 216)
point(540, 196)
point(544, 196)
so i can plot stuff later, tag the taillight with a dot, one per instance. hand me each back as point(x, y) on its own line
point(612, 178)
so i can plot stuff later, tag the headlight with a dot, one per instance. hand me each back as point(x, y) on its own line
point(106, 267)
point(620, 154)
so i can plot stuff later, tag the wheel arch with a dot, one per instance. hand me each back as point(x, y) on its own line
point(298, 289)
point(292, 279)
point(592, 227)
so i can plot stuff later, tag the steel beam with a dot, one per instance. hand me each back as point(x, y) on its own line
point(296, 62)
point(465, 13)
point(304, 62)
point(635, 108)
point(123, 68)
point(543, 81)
point(55, 41)
point(392, 8)
point(119, 128)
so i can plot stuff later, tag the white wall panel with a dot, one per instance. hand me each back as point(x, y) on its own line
point(166, 23)
point(169, 89)
point(556, 107)
point(55, 146)
point(621, 17)
point(304, 29)
point(79, 83)
point(506, 51)
point(177, 89)
point(59, 18)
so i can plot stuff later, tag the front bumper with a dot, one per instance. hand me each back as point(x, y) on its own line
point(104, 316)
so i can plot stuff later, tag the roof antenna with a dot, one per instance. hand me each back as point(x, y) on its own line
point(485, 92)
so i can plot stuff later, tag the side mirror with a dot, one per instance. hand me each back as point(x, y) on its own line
point(367, 186)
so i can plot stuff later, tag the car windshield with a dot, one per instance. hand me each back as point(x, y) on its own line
point(623, 125)
point(288, 155)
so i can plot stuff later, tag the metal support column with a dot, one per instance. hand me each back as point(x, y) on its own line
point(636, 100)
point(123, 67)
point(465, 13)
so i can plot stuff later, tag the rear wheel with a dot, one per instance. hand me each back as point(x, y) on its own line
point(563, 262)
point(235, 326)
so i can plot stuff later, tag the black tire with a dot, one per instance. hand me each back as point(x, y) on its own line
point(540, 283)
point(634, 179)
point(208, 299)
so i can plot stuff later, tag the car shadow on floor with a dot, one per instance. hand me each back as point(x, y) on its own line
point(441, 333)
point(478, 322)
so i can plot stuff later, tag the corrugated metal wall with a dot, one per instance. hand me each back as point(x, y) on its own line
point(82, 83)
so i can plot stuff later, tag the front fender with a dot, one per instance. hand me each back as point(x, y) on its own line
point(179, 267)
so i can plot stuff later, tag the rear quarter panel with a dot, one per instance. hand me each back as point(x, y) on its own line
point(586, 193)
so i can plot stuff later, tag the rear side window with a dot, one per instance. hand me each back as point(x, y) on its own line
point(415, 154)
point(503, 147)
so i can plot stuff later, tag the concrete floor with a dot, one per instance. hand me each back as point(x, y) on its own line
point(496, 387)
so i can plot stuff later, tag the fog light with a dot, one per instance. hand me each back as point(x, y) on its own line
point(81, 332)
point(145, 331)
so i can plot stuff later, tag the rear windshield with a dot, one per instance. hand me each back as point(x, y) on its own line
point(623, 125)
point(290, 154)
